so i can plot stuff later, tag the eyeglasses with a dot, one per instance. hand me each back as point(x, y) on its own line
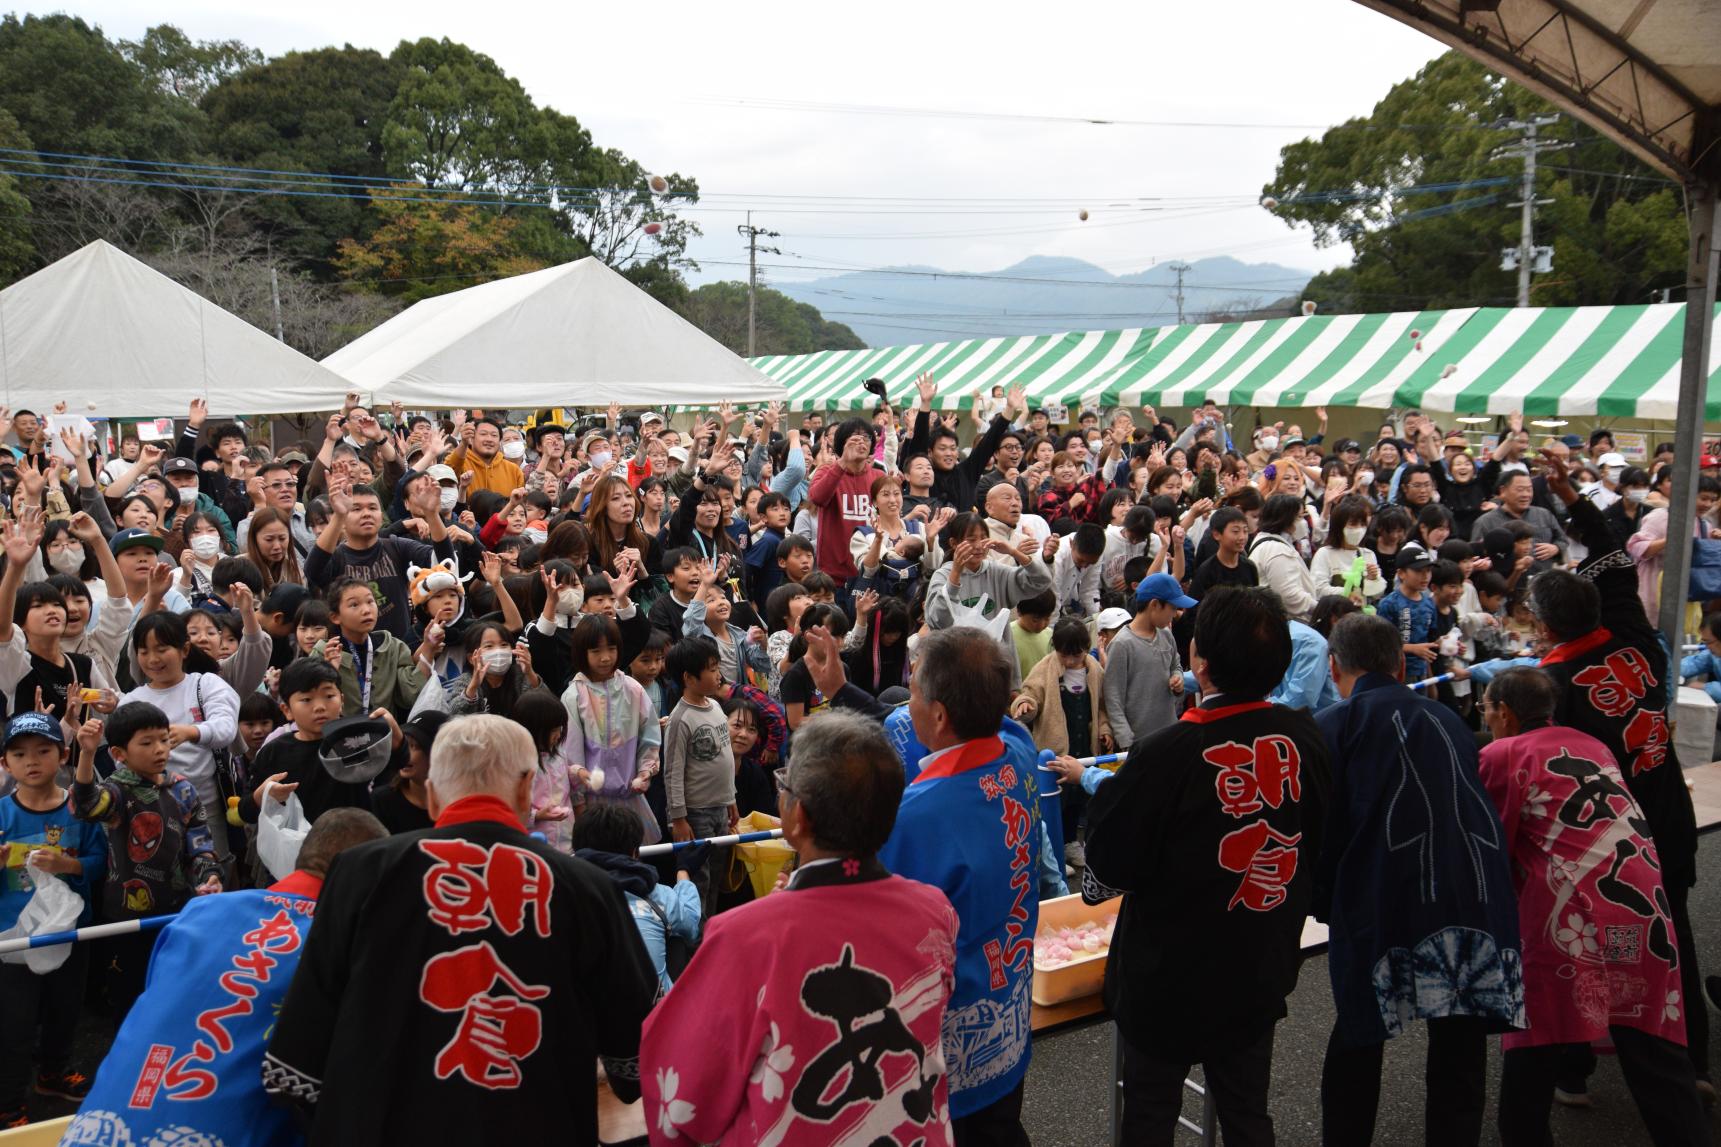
point(781, 776)
point(280, 486)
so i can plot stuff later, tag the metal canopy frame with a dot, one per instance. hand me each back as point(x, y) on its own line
point(1568, 53)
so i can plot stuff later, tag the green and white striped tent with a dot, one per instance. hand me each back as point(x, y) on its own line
point(1613, 362)
point(1620, 362)
point(1060, 368)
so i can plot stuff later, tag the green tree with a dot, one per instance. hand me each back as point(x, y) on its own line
point(182, 67)
point(319, 111)
point(424, 249)
point(781, 325)
point(17, 243)
point(72, 90)
point(1614, 224)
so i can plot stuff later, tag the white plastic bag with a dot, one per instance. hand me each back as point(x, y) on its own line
point(974, 617)
point(53, 907)
point(281, 829)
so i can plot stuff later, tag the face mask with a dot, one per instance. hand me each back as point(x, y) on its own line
point(206, 546)
point(513, 450)
point(568, 602)
point(1302, 530)
point(498, 660)
point(1612, 473)
point(447, 496)
point(1636, 494)
point(1367, 477)
point(71, 559)
point(1353, 535)
point(598, 458)
point(1269, 442)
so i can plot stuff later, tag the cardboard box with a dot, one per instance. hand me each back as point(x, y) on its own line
point(1085, 975)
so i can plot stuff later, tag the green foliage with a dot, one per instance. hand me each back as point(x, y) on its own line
point(379, 140)
point(781, 325)
point(1615, 225)
point(322, 110)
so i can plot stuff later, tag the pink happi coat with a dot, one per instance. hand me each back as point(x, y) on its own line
point(1599, 947)
point(812, 1016)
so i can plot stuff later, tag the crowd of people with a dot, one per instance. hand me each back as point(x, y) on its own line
point(1406, 686)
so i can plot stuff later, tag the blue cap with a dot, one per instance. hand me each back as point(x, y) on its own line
point(1163, 587)
point(34, 724)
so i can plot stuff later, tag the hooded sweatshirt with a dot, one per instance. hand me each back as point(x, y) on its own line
point(658, 911)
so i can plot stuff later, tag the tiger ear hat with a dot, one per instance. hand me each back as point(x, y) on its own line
point(424, 581)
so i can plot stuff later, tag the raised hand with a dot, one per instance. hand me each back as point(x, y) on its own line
point(335, 427)
point(19, 543)
point(490, 568)
point(1015, 401)
point(199, 412)
point(84, 529)
point(927, 386)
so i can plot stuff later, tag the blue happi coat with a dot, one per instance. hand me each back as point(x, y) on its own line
point(970, 826)
point(187, 1065)
point(1414, 879)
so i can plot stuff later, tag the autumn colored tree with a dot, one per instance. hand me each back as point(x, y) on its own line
point(421, 249)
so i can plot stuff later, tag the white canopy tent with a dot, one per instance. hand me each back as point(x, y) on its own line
point(108, 335)
point(574, 335)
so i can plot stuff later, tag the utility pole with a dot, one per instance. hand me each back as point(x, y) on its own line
point(275, 297)
point(1180, 268)
point(1527, 257)
point(752, 234)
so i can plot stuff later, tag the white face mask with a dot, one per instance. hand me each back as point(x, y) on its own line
point(448, 496)
point(513, 450)
point(1354, 535)
point(568, 602)
point(1612, 473)
point(1366, 477)
point(598, 458)
point(1302, 529)
point(1269, 442)
point(497, 660)
point(206, 546)
point(1636, 494)
point(67, 561)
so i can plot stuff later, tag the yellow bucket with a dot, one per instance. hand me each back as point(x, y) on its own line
point(764, 860)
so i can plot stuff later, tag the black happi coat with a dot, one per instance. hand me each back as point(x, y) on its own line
point(1212, 829)
point(457, 986)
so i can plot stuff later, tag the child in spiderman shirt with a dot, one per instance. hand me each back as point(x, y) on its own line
point(161, 850)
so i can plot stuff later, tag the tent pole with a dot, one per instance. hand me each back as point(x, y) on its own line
point(1704, 201)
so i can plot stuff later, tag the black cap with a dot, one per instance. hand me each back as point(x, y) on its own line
point(179, 466)
point(355, 749)
point(1344, 444)
point(1411, 556)
point(422, 729)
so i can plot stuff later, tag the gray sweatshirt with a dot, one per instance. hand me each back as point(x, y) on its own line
point(1138, 695)
point(698, 766)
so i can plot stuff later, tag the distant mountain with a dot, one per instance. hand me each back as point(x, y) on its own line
point(1040, 295)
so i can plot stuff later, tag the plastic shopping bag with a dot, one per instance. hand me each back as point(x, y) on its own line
point(281, 829)
point(974, 617)
point(53, 907)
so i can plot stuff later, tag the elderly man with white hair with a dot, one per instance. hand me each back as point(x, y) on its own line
point(465, 977)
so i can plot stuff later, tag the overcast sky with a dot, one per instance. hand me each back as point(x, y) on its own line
point(668, 86)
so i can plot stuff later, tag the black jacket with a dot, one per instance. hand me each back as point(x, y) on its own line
point(960, 485)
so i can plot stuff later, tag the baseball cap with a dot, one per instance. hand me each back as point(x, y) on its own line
point(1708, 462)
point(678, 453)
point(1571, 442)
point(442, 474)
point(34, 724)
point(1163, 587)
point(294, 456)
point(1411, 556)
point(355, 749)
point(651, 416)
point(179, 466)
point(1455, 438)
point(1611, 460)
point(422, 729)
point(1345, 444)
point(1292, 440)
point(127, 538)
point(1113, 618)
